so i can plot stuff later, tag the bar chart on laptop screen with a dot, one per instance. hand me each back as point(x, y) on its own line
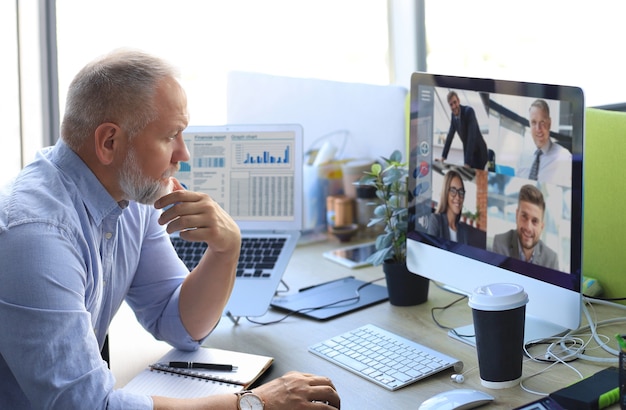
point(263, 154)
point(262, 178)
point(250, 174)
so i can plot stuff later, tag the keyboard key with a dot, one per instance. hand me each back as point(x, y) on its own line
point(257, 258)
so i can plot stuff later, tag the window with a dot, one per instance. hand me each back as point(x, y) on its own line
point(11, 152)
point(560, 42)
point(336, 40)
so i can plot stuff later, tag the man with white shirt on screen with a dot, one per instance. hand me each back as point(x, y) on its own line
point(551, 163)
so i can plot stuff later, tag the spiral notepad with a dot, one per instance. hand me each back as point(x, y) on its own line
point(161, 380)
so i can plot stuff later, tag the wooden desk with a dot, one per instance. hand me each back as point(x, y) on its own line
point(132, 349)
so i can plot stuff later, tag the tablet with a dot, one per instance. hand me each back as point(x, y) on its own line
point(353, 256)
point(331, 299)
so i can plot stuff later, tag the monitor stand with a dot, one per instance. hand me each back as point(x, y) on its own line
point(534, 329)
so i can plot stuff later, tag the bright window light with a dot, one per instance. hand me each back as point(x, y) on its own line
point(343, 40)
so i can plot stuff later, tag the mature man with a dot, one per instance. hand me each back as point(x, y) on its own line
point(525, 242)
point(463, 122)
point(79, 234)
point(551, 162)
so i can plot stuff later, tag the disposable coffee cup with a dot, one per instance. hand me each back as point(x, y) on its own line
point(499, 312)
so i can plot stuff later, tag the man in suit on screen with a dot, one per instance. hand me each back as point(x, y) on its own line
point(464, 123)
point(525, 242)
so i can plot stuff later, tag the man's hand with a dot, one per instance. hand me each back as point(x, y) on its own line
point(198, 218)
point(206, 289)
point(297, 390)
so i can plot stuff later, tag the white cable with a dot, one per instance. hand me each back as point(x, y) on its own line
point(592, 327)
point(574, 346)
point(557, 361)
point(604, 302)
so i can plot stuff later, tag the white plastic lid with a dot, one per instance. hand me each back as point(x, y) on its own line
point(498, 296)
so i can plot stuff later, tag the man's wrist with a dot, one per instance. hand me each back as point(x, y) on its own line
point(248, 400)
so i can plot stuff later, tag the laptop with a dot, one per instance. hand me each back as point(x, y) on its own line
point(255, 173)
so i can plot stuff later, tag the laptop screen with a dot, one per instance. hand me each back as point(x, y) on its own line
point(253, 171)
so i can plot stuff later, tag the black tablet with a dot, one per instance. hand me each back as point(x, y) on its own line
point(331, 299)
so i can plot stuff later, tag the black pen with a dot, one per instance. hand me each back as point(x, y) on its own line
point(325, 283)
point(208, 366)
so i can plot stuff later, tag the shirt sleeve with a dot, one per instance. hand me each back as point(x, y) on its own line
point(48, 340)
point(155, 291)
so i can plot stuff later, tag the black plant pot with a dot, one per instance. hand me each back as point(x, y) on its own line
point(405, 288)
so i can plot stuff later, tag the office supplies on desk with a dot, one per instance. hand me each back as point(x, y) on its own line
point(158, 378)
point(595, 392)
point(353, 256)
point(196, 365)
point(457, 399)
point(544, 403)
point(331, 299)
point(255, 173)
point(383, 357)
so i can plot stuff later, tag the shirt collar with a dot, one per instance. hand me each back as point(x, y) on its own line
point(522, 256)
point(546, 147)
point(98, 202)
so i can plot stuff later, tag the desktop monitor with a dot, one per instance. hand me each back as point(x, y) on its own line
point(511, 226)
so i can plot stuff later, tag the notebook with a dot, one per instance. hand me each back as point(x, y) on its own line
point(255, 173)
point(161, 380)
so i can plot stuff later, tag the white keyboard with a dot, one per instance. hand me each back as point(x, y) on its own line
point(382, 357)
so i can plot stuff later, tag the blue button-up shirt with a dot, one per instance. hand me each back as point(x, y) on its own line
point(69, 255)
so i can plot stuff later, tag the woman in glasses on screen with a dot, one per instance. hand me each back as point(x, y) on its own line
point(445, 222)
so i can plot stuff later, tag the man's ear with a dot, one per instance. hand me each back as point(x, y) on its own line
point(108, 141)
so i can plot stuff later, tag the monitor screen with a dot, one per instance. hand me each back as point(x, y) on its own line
point(496, 171)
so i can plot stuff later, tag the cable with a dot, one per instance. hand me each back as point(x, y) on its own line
point(571, 351)
point(565, 349)
point(454, 302)
point(558, 361)
point(601, 299)
point(450, 329)
point(348, 301)
point(605, 301)
point(592, 327)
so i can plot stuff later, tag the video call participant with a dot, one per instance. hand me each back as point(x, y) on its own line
point(463, 122)
point(445, 222)
point(525, 242)
point(551, 163)
point(82, 228)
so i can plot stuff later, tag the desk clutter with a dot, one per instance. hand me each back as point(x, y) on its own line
point(289, 343)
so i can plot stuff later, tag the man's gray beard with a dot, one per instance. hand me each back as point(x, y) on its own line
point(136, 186)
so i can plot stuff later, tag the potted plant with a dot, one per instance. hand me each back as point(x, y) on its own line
point(390, 180)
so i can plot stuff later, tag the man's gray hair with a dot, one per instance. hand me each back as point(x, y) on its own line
point(119, 88)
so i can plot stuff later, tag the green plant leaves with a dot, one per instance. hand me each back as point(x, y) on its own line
point(390, 181)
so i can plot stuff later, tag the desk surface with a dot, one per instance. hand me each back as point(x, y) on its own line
point(132, 349)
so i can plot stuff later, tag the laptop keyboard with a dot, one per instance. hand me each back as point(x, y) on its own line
point(257, 258)
point(384, 358)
